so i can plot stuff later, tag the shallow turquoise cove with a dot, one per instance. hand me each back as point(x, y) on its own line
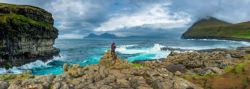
point(89, 51)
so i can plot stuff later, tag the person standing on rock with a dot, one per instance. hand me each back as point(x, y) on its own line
point(113, 54)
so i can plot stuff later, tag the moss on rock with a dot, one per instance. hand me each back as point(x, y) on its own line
point(32, 12)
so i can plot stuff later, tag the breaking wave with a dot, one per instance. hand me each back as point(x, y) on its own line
point(153, 52)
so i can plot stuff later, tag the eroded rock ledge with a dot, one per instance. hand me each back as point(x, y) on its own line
point(190, 70)
point(108, 74)
point(26, 34)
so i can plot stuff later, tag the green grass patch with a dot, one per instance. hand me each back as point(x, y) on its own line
point(247, 56)
point(196, 76)
point(229, 69)
point(239, 68)
point(138, 65)
point(14, 7)
point(10, 77)
point(20, 19)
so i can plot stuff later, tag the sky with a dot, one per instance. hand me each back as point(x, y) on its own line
point(77, 18)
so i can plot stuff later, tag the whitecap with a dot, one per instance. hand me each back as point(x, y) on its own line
point(29, 66)
point(36, 64)
point(3, 70)
point(144, 53)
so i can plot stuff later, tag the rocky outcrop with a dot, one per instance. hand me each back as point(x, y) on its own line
point(118, 74)
point(212, 28)
point(197, 66)
point(26, 34)
point(201, 62)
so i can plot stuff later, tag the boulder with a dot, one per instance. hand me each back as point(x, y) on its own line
point(176, 67)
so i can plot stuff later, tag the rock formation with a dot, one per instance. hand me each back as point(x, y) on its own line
point(205, 68)
point(106, 75)
point(26, 34)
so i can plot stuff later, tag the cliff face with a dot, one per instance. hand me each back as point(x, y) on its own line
point(26, 34)
point(212, 28)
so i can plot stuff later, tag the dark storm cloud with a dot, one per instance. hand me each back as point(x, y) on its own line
point(230, 10)
point(78, 18)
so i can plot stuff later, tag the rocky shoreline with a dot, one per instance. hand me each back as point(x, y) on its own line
point(168, 73)
point(217, 38)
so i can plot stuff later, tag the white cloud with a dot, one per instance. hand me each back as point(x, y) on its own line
point(234, 11)
point(70, 36)
point(67, 8)
point(157, 16)
point(121, 16)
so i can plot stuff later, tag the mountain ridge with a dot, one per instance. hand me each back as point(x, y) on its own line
point(104, 35)
point(113, 36)
point(214, 28)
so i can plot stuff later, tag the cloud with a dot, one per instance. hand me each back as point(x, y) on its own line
point(70, 36)
point(135, 17)
point(39, 3)
point(157, 16)
point(234, 11)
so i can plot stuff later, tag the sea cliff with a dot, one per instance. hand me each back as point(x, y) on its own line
point(213, 28)
point(26, 34)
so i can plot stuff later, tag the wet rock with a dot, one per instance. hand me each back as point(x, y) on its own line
point(228, 56)
point(105, 87)
point(59, 78)
point(15, 85)
point(4, 85)
point(123, 83)
point(65, 67)
point(246, 49)
point(56, 85)
point(176, 67)
point(177, 73)
point(64, 86)
point(216, 70)
point(120, 75)
point(180, 83)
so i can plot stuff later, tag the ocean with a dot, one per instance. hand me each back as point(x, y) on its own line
point(89, 51)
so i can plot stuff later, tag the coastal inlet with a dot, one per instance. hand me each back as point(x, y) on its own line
point(89, 51)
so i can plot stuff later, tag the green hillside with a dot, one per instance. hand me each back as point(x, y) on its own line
point(212, 28)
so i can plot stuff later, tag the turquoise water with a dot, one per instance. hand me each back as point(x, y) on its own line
point(89, 51)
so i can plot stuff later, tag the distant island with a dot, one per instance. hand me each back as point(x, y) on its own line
point(213, 28)
point(104, 35)
point(113, 36)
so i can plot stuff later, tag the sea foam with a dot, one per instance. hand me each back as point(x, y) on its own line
point(153, 52)
point(29, 66)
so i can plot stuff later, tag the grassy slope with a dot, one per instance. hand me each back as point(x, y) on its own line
point(14, 7)
point(5, 18)
point(214, 28)
point(19, 18)
point(236, 77)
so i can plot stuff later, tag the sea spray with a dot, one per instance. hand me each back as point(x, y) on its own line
point(150, 53)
